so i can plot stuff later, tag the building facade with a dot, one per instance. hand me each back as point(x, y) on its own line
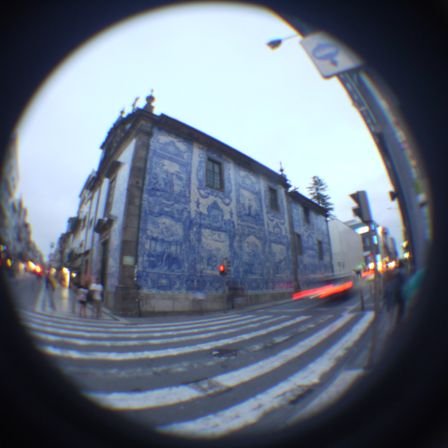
point(168, 204)
point(16, 242)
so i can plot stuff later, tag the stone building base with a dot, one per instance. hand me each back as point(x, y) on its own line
point(127, 302)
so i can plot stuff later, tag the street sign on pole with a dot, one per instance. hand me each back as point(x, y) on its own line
point(330, 56)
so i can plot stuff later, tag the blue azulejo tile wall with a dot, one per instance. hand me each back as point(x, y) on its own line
point(165, 225)
point(314, 262)
point(188, 228)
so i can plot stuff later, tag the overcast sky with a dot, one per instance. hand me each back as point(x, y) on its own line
point(210, 68)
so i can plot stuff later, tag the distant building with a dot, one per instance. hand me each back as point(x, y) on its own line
point(8, 202)
point(379, 247)
point(15, 232)
point(369, 239)
point(388, 246)
point(168, 204)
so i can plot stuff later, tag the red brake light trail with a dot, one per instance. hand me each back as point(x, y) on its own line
point(307, 293)
point(336, 289)
point(323, 291)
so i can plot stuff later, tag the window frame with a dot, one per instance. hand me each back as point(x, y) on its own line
point(110, 195)
point(320, 250)
point(307, 215)
point(211, 174)
point(274, 203)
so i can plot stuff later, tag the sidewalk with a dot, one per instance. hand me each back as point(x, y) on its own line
point(62, 302)
point(383, 327)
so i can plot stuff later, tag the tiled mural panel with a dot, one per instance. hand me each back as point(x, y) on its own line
point(164, 241)
point(187, 229)
point(263, 236)
point(117, 210)
point(213, 216)
point(310, 268)
point(279, 237)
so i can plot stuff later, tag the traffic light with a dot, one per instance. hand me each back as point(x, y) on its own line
point(222, 269)
point(363, 209)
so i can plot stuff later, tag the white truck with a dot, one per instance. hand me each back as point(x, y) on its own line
point(346, 248)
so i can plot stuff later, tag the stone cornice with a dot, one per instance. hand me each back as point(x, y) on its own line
point(179, 128)
point(141, 121)
point(307, 202)
point(123, 131)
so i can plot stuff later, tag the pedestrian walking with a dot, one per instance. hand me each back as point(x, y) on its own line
point(81, 295)
point(50, 282)
point(96, 289)
point(50, 285)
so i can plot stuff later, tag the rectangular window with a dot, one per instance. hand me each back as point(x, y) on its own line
point(214, 178)
point(273, 199)
point(110, 196)
point(299, 244)
point(306, 214)
point(320, 250)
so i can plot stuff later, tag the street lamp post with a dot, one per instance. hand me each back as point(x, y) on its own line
point(333, 58)
point(275, 43)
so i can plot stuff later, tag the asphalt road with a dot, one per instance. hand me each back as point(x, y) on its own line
point(210, 375)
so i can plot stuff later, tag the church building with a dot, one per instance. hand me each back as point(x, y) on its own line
point(174, 220)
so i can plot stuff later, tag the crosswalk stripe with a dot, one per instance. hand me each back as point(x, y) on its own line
point(62, 336)
point(128, 371)
point(250, 411)
point(174, 395)
point(117, 327)
point(119, 332)
point(160, 353)
point(72, 330)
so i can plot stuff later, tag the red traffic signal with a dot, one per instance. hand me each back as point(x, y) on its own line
point(222, 269)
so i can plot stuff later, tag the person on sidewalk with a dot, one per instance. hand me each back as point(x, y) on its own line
point(51, 285)
point(96, 290)
point(81, 296)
